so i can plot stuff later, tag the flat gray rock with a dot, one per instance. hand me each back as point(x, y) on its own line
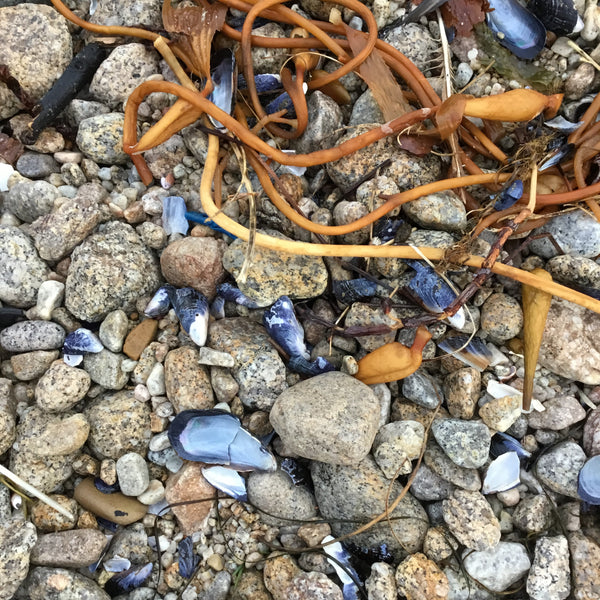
point(62, 584)
point(75, 548)
point(550, 574)
point(28, 336)
point(437, 460)
point(422, 389)
point(320, 418)
point(467, 443)
point(29, 200)
point(559, 467)
point(442, 211)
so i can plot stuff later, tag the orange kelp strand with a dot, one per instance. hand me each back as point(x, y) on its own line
point(515, 105)
point(393, 361)
point(536, 304)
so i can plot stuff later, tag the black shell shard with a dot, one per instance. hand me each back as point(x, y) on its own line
point(559, 16)
point(104, 487)
point(128, 580)
point(282, 102)
point(557, 151)
point(282, 325)
point(429, 290)
point(475, 354)
point(588, 486)
point(354, 290)
point(298, 471)
point(264, 83)
point(228, 481)
point(387, 230)
point(231, 293)
point(509, 195)
point(563, 125)
point(160, 303)
point(503, 443)
point(300, 365)
point(188, 560)
point(516, 28)
point(217, 437)
point(217, 308)
point(82, 341)
point(224, 79)
point(191, 308)
point(10, 315)
point(344, 570)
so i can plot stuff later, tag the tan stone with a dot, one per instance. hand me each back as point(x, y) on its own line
point(187, 383)
point(139, 338)
point(419, 578)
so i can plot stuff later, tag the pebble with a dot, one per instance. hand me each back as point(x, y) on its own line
point(251, 586)
point(189, 484)
point(381, 584)
point(113, 330)
point(100, 138)
point(419, 578)
point(50, 296)
point(396, 445)
point(17, 538)
point(561, 412)
point(559, 467)
point(421, 388)
point(154, 493)
point(549, 576)
point(440, 211)
point(533, 514)
point(195, 262)
point(324, 123)
point(428, 486)
point(439, 462)
point(259, 371)
point(591, 433)
point(35, 66)
point(58, 233)
point(36, 166)
point(29, 200)
point(576, 270)
point(415, 42)
point(21, 270)
point(125, 68)
point(320, 419)
point(466, 443)
point(27, 336)
point(74, 549)
point(461, 390)
point(110, 270)
point(186, 382)
point(501, 317)
point(278, 575)
point(579, 81)
point(359, 492)
point(156, 381)
point(569, 346)
point(364, 315)
point(214, 358)
point(47, 520)
point(140, 337)
point(500, 414)
point(585, 570)
point(31, 365)
point(576, 232)
point(61, 387)
point(106, 369)
point(313, 586)
point(44, 582)
point(278, 500)
point(132, 473)
point(115, 507)
point(8, 415)
point(471, 520)
point(366, 110)
point(500, 567)
point(274, 274)
point(119, 424)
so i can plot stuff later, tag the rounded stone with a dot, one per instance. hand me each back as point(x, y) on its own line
point(561, 412)
point(106, 369)
point(21, 269)
point(549, 576)
point(31, 365)
point(113, 330)
point(321, 418)
point(132, 472)
point(17, 538)
point(461, 389)
point(101, 138)
point(28, 336)
point(75, 549)
point(467, 443)
point(36, 166)
point(533, 514)
point(28, 200)
point(501, 317)
point(419, 578)
point(415, 42)
point(396, 445)
point(187, 383)
point(440, 211)
point(559, 467)
point(61, 387)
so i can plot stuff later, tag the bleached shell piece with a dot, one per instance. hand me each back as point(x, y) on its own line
point(502, 474)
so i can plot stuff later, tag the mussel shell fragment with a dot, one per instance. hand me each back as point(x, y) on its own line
point(510, 195)
point(191, 308)
point(116, 564)
point(502, 474)
point(588, 486)
point(231, 293)
point(282, 325)
point(353, 290)
point(173, 215)
point(318, 366)
point(502, 443)
point(228, 481)
point(128, 580)
point(563, 125)
point(264, 83)
point(223, 78)
point(160, 303)
point(559, 16)
point(516, 28)
point(82, 341)
point(217, 437)
point(344, 570)
point(188, 560)
point(475, 353)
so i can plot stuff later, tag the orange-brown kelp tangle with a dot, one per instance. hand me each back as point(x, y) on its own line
point(192, 30)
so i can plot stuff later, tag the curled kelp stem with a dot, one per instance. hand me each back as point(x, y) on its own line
point(536, 304)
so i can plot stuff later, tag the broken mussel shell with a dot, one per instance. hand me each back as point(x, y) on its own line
point(228, 481)
point(230, 293)
point(217, 437)
point(79, 342)
point(502, 474)
point(191, 308)
point(393, 361)
point(508, 196)
point(282, 325)
point(160, 303)
point(353, 290)
point(339, 559)
point(516, 28)
point(188, 559)
point(320, 365)
point(173, 215)
point(503, 443)
point(128, 580)
point(224, 77)
point(588, 486)
point(559, 16)
point(473, 351)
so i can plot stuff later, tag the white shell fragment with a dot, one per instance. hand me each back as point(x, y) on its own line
point(502, 474)
point(5, 172)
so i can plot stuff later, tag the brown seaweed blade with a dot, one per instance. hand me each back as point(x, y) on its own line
point(536, 304)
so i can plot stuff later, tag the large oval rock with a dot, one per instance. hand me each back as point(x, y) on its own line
point(332, 418)
point(21, 269)
point(62, 584)
point(187, 382)
point(359, 493)
point(61, 387)
point(109, 270)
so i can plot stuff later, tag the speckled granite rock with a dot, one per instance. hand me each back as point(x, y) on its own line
point(187, 383)
point(441, 211)
point(28, 336)
point(273, 274)
point(29, 200)
point(8, 415)
point(45, 582)
point(21, 270)
point(549, 576)
point(558, 468)
point(101, 138)
point(61, 387)
point(76, 548)
point(320, 418)
point(258, 369)
point(585, 561)
point(109, 270)
point(17, 538)
point(419, 578)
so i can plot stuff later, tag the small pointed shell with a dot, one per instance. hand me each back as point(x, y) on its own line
point(502, 474)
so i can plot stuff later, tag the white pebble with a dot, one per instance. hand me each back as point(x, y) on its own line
point(141, 393)
point(6, 171)
point(159, 442)
point(463, 75)
point(155, 493)
point(50, 296)
point(156, 380)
